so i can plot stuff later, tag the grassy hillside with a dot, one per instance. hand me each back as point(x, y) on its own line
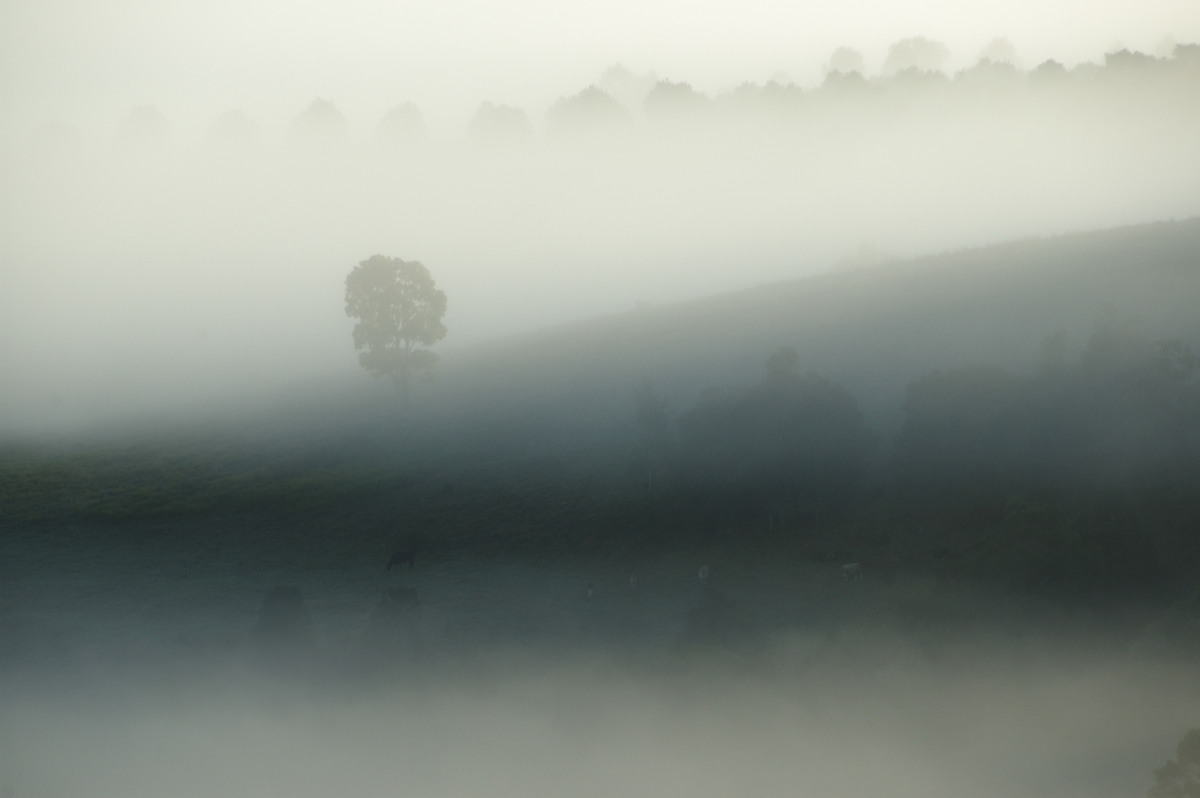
point(874, 329)
point(531, 444)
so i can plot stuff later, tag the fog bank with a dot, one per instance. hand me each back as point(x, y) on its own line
point(148, 269)
point(1065, 727)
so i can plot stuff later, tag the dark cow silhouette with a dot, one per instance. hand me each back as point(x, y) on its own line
point(402, 558)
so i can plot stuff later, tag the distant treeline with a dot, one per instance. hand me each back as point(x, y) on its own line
point(621, 102)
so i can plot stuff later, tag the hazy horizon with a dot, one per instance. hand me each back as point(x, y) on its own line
point(152, 258)
point(197, 60)
point(910, 527)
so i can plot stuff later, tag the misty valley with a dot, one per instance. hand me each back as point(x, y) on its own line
point(586, 561)
point(628, 460)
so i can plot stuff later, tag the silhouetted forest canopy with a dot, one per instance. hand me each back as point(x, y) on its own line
point(911, 84)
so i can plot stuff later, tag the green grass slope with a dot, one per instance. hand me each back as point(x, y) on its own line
point(531, 444)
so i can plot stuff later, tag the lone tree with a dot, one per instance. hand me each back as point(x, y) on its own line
point(399, 311)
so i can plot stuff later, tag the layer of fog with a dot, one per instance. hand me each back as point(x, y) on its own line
point(1060, 725)
point(151, 273)
point(138, 662)
point(267, 56)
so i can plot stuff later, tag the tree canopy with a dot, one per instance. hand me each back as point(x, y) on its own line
point(795, 438)
point(321, 125)
point(591, 111)
point(399, 310)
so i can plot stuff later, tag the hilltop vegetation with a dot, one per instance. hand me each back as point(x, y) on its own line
point(1027, 413)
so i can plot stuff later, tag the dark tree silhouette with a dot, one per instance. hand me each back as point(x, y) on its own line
point(1088, 464)
point(669, 100)
point(845, 60)
point(999, 51)
point(850, 84)
point(960, 430)
point(1186, 54)
point(916, 53)
point(590, 112)
point(399, 311)
point(625, 87)
point(795, 440)
point(652, 427)
point(1127, 60)
point(1048, 70)
point(1138, 401)
point(990, 75)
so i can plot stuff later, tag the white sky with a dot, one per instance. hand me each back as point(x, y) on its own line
point(89, 61)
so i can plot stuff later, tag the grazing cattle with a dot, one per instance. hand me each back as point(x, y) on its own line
point(402, 558)
point(852, 570)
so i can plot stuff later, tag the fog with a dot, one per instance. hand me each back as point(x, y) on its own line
point(92, 63)
point(169, 241)
point(816, 414)
point(509, 681)
point(585, 729)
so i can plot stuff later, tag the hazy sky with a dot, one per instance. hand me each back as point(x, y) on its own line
point(89, 61)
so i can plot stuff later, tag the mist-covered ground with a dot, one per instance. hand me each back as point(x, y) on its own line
point(145, 669)
point(583, 727)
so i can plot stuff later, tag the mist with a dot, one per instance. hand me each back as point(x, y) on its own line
point(818, 412)
point(573, 729)
point(157, 263)
point(510, 680)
